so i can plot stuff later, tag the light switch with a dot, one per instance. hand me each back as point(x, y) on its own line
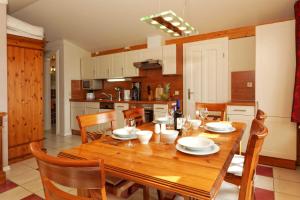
point(176, 92)
point(249, 84)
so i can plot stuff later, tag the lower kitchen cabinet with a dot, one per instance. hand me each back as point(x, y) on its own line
point(160, 110)
point(119, 107)
point(243, 114)
point(77, 108)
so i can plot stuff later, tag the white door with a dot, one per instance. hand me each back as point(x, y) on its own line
point(206, 73)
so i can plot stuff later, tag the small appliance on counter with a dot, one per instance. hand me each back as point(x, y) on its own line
point(136, 91)
point(90, 95)
point(118, 90)
point(127, 96)
point(158, 92)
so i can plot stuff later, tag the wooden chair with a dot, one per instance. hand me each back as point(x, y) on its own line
point(83, 175)
point(91, 120)
point(115, 185)
point(258, 133)
point(261, 116)
point(214, 108)
point(136, 113)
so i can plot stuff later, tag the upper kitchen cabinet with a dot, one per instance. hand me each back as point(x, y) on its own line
point(87, 67)
point(102, 66)
point(117, 68)
point(151, 53)
point(129, 69)
point(169, 59)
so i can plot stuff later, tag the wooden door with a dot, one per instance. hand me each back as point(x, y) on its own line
point(25, 99)
point(206, 69)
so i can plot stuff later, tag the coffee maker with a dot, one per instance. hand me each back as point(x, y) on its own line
point(136, 91)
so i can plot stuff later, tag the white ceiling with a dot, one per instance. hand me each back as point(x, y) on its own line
point(105, 24)
point(15, 5)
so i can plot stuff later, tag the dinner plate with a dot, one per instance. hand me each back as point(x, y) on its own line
point(122, 138)
point(214, 149)
point(232, 129)
point(218, 126)
point(196, 143)
point(124, 132)
point(159, 122)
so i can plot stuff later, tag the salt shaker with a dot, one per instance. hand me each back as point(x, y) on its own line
point(157, 128)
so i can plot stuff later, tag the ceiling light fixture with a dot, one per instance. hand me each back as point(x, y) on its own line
point(170, 23)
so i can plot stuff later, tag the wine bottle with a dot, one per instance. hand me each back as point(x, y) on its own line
point(177, 116)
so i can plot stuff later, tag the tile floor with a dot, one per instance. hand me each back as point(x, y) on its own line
point(24, 181)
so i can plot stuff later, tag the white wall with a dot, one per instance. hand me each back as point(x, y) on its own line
point(242, 54)
point(3, 78)
point(68, 69)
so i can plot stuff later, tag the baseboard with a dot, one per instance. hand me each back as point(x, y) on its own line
point(75, 132)
point(6, 168)
point(277, 162)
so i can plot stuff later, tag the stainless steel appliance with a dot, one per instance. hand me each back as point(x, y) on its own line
point(136, 91)
point(92, 84)
point(118, 90)
point(148, 109)
point(90, 95)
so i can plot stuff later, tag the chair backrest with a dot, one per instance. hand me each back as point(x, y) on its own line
point(214, 107)
point(261, 116)
point(86, 121)
point(83, 174)
point(136, 113)
point(258, 132)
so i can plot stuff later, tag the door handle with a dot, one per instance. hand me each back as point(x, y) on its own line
point(189, 93)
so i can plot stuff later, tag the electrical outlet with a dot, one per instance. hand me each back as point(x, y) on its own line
point(176, 93)
point(249, 84)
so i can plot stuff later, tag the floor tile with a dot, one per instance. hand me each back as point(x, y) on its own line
point(40, 193)
point(34, 185)
point(17, 169)
point(287, 187)
point(282, 196)
point(32, 197)
point(287, 174)
point(262, 194)
point(264, 182)
point(8, 185)
point(264, 171)
point(31, 162)
point(25, 177)
point(228, 192)
point(15, 194)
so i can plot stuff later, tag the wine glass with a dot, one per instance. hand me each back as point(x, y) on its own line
point(131, 126)
point(203, 112)
point(186, 125)
point(170, 118)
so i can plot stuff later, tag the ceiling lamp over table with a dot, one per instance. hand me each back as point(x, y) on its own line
point(170, 23)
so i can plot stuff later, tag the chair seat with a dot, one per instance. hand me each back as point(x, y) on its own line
point(236, 165)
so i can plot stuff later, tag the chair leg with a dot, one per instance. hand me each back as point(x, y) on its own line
point(146, 193)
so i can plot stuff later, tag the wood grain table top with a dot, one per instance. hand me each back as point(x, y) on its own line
point(161, 166)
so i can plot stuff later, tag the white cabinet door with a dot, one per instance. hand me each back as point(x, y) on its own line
point(152, 53)
point(87, 67)
point(129, 69)
point(119, 107)
point(169, 59)
point(275, 68)
point(247, 120)
point(206, 73)
point(116, 70)
point(92, 108)
point(102, 65)
point(77, 108)
point(160, 110)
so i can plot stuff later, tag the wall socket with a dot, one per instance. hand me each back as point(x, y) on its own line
point(249, 84)
point(176, 93)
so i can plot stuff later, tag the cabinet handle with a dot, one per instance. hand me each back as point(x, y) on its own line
point(159, 108)
point(120, 106)
point(240, 110)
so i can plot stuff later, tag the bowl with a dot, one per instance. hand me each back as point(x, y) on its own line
point(126, 132)
point(169, 136)
point(162, 119)
point(144, 136)
point(196, 123)
point(197, 143)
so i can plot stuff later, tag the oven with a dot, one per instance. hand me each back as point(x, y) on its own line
point(148, 109)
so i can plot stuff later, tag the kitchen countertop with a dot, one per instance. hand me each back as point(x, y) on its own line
point(241, 103)
point(123, 101)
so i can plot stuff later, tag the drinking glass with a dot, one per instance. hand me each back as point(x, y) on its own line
point(131, 126)
point(186, 125)
point(203, 114)
point(170, 118)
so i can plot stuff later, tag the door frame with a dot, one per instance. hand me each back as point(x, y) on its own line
point(185, 45)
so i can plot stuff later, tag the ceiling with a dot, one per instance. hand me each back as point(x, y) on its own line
point(101, 24)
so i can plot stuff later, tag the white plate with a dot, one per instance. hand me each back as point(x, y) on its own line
point(214, 149)
point(218, 126)
point(120, 138)
point(196, 143)
point(221, 131)
point(124, 132)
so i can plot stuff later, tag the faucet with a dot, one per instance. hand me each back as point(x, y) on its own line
point(109, 96)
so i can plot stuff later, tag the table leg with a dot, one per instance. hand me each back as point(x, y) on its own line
point(146, 195)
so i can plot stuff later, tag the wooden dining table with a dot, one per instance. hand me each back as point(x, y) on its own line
point(160, 165)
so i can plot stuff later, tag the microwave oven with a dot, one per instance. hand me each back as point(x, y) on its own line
point(92, 84)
